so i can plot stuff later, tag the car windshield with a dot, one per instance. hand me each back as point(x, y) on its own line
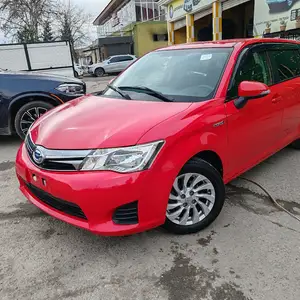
point(189, 75)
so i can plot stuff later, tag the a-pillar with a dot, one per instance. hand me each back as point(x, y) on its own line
point(190, 31)
point(217, 20)
point(171, 33)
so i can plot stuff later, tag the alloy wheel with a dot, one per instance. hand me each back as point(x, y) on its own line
point(30, 116)
point(191, 200)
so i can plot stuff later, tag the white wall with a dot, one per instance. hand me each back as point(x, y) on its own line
point(124, 17)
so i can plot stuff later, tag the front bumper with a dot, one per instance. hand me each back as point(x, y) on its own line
point(98, 195)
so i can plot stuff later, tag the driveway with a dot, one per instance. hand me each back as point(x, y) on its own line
point(250, 252)
point(96, 84)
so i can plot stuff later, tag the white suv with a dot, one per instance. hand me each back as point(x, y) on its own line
point(113, 64)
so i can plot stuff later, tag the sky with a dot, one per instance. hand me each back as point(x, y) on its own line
point(94, 7)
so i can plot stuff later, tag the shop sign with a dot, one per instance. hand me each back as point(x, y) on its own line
point(272, 16)
point(179, 8)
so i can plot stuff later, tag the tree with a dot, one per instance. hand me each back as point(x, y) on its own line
point(28, 21)
point(47, 35)
point(73, 22)
point(23, 19)
point(25, 35)
point(66, 33)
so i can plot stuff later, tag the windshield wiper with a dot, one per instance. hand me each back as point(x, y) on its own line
point(148, 91)
point(117, 90)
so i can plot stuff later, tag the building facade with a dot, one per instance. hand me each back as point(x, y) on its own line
point(143, 20)
point(277, 19)
point(202, 20)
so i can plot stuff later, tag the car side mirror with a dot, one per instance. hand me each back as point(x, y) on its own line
point(250, 90)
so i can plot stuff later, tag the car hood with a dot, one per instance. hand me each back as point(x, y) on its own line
point(42, 76)
point(96, 122)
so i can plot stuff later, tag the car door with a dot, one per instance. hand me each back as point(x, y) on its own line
point(122, 64)
point(285, 60)
point(4, 86)
point(127, 60)
point(253, 130)
point(113, 65)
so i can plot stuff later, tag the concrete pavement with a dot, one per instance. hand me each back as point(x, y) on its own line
point(95, 84)
point(250, 253)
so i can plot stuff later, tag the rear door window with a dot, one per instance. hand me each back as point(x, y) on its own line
point(126, 58)
point(286, 63)
point(115, 59)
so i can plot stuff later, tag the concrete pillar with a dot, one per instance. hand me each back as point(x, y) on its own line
point(217, 20)
point(171, 34)
point(190, 31)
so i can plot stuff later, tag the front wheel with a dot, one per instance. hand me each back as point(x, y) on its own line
point(99, 72)
point(196, 198)
point(28, 114)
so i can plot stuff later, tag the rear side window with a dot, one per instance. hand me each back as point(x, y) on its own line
point(115, 59)
point(286, 63)
point(126, 58)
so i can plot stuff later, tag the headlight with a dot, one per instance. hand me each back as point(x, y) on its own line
point(71, 89)
point(122, 160)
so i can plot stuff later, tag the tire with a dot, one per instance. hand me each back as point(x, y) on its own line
point(296, 144)
point(26, 116)
point(99, 72)
point(210, 177)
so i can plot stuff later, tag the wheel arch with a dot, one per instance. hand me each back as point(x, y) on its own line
point(21, 100)
point(212, 158)
point(100, 67)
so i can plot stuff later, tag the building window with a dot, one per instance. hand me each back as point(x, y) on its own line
point(147, 10)
point(160, 37)
point(138, 12)
point(144, 12)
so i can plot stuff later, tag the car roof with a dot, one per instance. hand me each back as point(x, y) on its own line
point(121, 55)
point(228, 43)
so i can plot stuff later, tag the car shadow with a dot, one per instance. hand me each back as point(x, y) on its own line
point(8, 140)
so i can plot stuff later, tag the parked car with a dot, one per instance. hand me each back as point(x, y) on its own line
point(158, 145)
point(24, 97)
point(113, 64)
point(79, 71)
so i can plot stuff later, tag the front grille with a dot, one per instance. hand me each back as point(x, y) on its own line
point(56, 160)
point(30, 146)
point(126, 214)
point(64, 206)
point(58, 166)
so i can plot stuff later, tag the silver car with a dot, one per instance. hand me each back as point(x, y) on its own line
point(113, 64)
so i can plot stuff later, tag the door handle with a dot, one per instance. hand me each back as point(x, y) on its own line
point(276, 99)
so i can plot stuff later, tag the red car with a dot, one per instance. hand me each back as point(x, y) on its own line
point(158, 145)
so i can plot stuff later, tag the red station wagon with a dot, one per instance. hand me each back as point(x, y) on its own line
point(158, 145)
